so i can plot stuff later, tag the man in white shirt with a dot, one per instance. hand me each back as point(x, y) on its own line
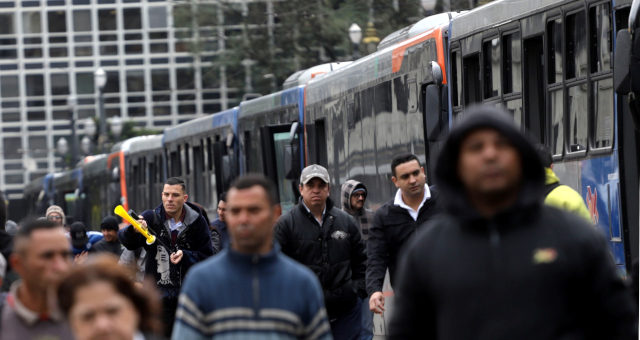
point(395, 222)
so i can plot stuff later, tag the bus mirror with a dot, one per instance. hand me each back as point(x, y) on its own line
point(293, 132)
point(436, 73)
point(622, 57)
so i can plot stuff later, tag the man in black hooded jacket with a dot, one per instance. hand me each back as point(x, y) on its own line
point(326, 239)
point(499, 264)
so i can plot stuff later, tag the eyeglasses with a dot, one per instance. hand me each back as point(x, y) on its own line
point(54, 217)
point(360, 194)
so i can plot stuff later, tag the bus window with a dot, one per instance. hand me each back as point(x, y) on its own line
point(554, 51)
point(578, 108)
point(471, 76)
point(456, 83)
point(491, 68)
point(603, 113)
point(512, 59)
point(576, 46)
point(515, 107)
point(557, 122)
point(600, 46)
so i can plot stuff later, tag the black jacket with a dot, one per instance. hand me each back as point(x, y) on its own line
point(194, 241)
point(334, 252)
point(528, 272)
point(392, 227)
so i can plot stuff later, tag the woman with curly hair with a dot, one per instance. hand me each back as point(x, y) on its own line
point(102, 302)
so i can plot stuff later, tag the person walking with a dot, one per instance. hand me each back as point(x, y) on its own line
point(353, 197)
point(499, 264)
point(110, 242)
point(41, 257)
point(559, 195)
point(182, 240)
point(395, 222)
point(327, 240)
point(219, 223)
point(251, 290)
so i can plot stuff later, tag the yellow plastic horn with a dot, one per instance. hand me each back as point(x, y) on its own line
point(124, 214)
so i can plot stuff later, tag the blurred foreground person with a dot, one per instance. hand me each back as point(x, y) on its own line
point(101, 302)
point(499, 264)
point(41, 257)
point(251, 290)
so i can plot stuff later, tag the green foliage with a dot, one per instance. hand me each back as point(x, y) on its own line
point(306, 33)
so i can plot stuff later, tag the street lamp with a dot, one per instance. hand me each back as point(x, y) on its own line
point(89, 132)
point(116, 126)
point(72, 103)
point(355, 34)
point(62, 146)
point(100, 79)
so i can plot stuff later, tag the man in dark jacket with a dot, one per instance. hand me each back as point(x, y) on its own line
point(326, 239)
point(353, 196)
point(220, 224)
point(182, 239)
point(499, 264)
point(395, 222)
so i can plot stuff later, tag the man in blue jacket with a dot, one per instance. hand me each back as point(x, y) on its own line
point(251, 290)
point(182, 239)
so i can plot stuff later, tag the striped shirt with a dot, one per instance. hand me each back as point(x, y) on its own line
point(236, 296)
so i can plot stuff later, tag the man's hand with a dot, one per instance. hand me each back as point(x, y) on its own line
point(81, 258)
point(376, 303)
point(176, 257)
point(143, 223)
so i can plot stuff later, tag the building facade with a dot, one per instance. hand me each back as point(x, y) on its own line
point(50, 50)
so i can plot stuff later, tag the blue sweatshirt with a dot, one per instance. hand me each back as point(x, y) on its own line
point(237, 296)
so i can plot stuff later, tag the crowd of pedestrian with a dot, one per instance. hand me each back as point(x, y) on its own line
point(496, 248)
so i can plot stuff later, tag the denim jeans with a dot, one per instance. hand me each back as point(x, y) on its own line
point(347, 327)
point(366, 333)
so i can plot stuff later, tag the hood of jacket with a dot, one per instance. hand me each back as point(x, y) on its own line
point(451, 188)
point(345, 194)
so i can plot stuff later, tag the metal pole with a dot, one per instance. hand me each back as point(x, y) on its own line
point(102, 138)
point(74, 138)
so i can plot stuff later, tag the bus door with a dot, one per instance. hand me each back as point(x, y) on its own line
point(225, 162)
point(281, 160)
point(436, 116)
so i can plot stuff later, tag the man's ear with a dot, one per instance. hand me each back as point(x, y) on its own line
point(277, 211)
point(394, 180)
point(186, 197)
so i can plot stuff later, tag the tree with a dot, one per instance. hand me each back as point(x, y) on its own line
point(285, 37)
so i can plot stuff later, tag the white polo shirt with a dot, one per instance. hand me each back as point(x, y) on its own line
point(414, 213)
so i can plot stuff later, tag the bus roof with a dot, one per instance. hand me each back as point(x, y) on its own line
point(496, 13)
point(269, 102)
point(367, 69)
point(189, 128)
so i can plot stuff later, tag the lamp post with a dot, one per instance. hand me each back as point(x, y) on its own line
point(355, 35)
point(62, 146)
point(72, 102)
point(116, 127)
point(100, 79)
point(89, 131)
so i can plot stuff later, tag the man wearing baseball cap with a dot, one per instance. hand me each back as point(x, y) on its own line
point(327, 240)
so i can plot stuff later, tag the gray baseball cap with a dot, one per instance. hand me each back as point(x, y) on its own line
point(312, 171)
